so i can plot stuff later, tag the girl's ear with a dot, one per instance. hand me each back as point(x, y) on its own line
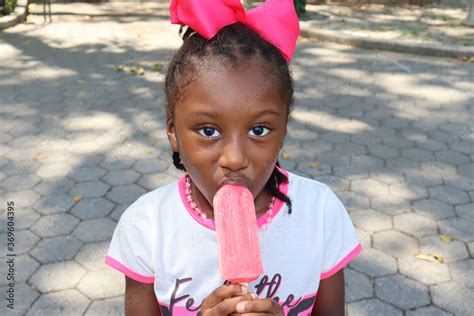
point(170, 131)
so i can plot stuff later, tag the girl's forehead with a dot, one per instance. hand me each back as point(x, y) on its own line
point(246, 86)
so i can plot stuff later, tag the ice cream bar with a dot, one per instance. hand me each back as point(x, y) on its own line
point(237, 234)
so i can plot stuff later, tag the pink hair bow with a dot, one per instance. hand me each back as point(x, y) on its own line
point(274, 20)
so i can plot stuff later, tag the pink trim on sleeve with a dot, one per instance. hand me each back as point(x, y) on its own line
point(351, 256)
point(131, 274)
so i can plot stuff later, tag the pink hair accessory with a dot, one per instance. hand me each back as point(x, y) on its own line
point(275, 21)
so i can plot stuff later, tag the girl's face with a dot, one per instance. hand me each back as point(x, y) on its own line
point(229, 128)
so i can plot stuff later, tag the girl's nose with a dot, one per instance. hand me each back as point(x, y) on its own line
point(233, 155)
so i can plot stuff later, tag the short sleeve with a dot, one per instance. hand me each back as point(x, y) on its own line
point(130, 249)
point(341, 244)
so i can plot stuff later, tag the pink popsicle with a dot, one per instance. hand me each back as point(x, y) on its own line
point(237, 234)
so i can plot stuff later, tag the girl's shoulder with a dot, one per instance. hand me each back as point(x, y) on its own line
point(301, 185)
point(146, 207)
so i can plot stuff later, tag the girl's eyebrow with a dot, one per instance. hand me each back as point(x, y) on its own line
point(215, 114)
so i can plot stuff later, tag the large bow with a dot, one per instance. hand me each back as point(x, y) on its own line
point(274, 20)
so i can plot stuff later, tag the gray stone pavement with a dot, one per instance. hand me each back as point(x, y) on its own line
point(392, 134)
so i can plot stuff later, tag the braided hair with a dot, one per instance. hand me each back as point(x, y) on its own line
point(234, 44)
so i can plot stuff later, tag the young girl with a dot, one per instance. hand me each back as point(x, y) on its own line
point(229, 94)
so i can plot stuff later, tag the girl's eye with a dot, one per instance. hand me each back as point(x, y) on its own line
point(211, 132)
point(259, 131)
point(208, 132)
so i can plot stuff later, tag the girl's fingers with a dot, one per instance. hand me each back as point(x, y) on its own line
point(222, 293)
point(260, 307)
point(227, 306)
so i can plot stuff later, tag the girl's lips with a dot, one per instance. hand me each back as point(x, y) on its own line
point(236, 181)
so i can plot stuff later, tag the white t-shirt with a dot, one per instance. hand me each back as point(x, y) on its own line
point(160, 240)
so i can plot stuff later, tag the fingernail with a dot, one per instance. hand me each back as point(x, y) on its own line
point(244, 289)
point(240, 307)
point(254, 295)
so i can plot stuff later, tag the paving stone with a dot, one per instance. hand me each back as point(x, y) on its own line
point(465, 211)
point(453, 298)
point(22, 199)
point(367, 162)
point(54, 170)
point(371, 307)
point(441, 168)
point(374, 263)
point(354, 201)
point(452, 157)
point(401, 163)
point(111, 306)
point(94, 230)
point(428, 311)
point(470, 246)
point(24, 241)
point(118, 211)
point(54, 186)
point(417, 154)
point(121, 177)
point(24, 218)
point(93, 208)
point(54, 225)
point(358, 286)
point(433, 209)
point(365, 238)
point(117, 163)
point(386, 175)
point(390, 204)
point(20, 182)
point(383, 151)
point(449, 194)
point(65, 274)
point(427, 272)
point(452, 251)
point(371, 220)
point(461, 270)
point(125, 193)
point(92, 255)
point(111, 284)
point(331, 137)
point(351, 172)
point(25, 266)
point(90, 189)
point(369, 187)
point(458, 228)
point(423, 178)
point(401, 292)
point(303, 169)
point(316, 147)
point(395, 243)
point(150, 166)
point(460, 182)
point(335, 183)
point(87, 173)
point(467, 170)
point(24, 296)
point(52, 204)
point(69, 302)
point(398, 142)
point(55, 249)
point(408, 191)
point(350, 148)
point(414, 224)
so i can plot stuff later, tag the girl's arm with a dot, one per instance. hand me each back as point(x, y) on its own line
point(330, 296)
point(140, 299)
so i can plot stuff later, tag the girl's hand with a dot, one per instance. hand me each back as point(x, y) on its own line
point(260, 307)
point(223, 300)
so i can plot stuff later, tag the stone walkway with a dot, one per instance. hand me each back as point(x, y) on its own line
point(81, 137)
point(431, 30)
